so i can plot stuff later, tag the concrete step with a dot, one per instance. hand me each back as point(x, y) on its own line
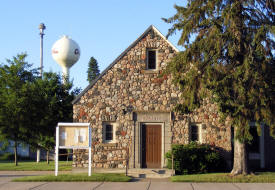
point(99, 170)
point(150, 173)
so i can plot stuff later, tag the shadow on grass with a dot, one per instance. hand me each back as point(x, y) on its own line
point(108, 177)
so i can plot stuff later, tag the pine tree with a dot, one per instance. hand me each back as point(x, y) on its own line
point(93, 70)
point(229, 58)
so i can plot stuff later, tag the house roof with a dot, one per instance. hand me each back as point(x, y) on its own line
point(120, 56)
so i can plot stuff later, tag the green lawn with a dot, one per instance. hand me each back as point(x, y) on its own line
point(261, 177)
point(77, 177)
point(33, 166)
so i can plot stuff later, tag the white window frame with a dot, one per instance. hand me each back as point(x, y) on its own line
point(104, 132)
point(261, 155)
point(147, 59)
point(199, 132)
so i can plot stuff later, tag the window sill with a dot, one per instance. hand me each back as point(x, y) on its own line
point(197, 141)
point(109, 143)
point(150, 71)
point(254, 156)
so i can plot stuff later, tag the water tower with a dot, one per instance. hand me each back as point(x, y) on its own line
point(66, 53)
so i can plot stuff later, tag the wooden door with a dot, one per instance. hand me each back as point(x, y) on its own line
point(151, 146)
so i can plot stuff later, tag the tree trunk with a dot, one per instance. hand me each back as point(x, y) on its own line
point(240, 155)
point(15, 153)
point(240, 159)
point(38, 155)
point(47, 157)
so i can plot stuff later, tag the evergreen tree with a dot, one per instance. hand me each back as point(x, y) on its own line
point(93, 70)
point(229, 58)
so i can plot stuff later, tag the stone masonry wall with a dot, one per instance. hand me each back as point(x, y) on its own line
point(128, 87)
point(214, 133)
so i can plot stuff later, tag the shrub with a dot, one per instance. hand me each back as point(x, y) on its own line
point(195, 158)
point(6, 156)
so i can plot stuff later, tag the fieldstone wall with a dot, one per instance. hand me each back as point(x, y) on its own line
point(128, 87)
point(80, 158)
point(214, 132)
point(104, 156)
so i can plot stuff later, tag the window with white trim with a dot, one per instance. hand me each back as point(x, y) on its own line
point(255, 148)
point(151, 59)
point(254, 145)
point(109, 129)
point(195, 133)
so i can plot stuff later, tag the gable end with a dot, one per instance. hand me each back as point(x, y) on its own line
point(120, 56)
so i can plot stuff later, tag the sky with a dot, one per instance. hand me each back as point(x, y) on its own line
point(102, 28)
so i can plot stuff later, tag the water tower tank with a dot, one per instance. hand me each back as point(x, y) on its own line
point(66, 53)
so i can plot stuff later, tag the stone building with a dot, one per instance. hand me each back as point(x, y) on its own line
point(130, 108)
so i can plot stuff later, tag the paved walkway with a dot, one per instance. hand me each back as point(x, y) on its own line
point(145, 184)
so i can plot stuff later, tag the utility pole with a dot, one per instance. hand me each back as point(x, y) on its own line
point(42, 27)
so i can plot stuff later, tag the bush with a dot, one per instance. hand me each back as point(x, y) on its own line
point(6, 156)
point(195, 158)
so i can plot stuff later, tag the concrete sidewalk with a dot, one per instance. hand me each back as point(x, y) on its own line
point(150, 185)
point(145, 184)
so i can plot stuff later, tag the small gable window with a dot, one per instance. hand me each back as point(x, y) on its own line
point(152, 59)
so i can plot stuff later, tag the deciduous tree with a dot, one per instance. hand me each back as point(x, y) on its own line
point(15, 117)
point(31, 106)
point(53, 104)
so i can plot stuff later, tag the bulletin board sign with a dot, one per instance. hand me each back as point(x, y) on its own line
point(73, 136)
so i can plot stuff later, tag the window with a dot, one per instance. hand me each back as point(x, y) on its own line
point(195, 133)
point(254, 146)
point(255, 149)
point(151, 59)
point(109, 132)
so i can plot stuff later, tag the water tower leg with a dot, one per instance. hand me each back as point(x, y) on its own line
point(65, 75)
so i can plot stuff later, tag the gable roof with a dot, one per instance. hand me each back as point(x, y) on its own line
point(120, 56)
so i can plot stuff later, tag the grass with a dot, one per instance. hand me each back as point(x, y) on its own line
point(111, 177)
point(260, 177)
point(33, 166)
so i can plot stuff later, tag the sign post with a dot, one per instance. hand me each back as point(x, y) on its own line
point(73, 136)
point(56, 150)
